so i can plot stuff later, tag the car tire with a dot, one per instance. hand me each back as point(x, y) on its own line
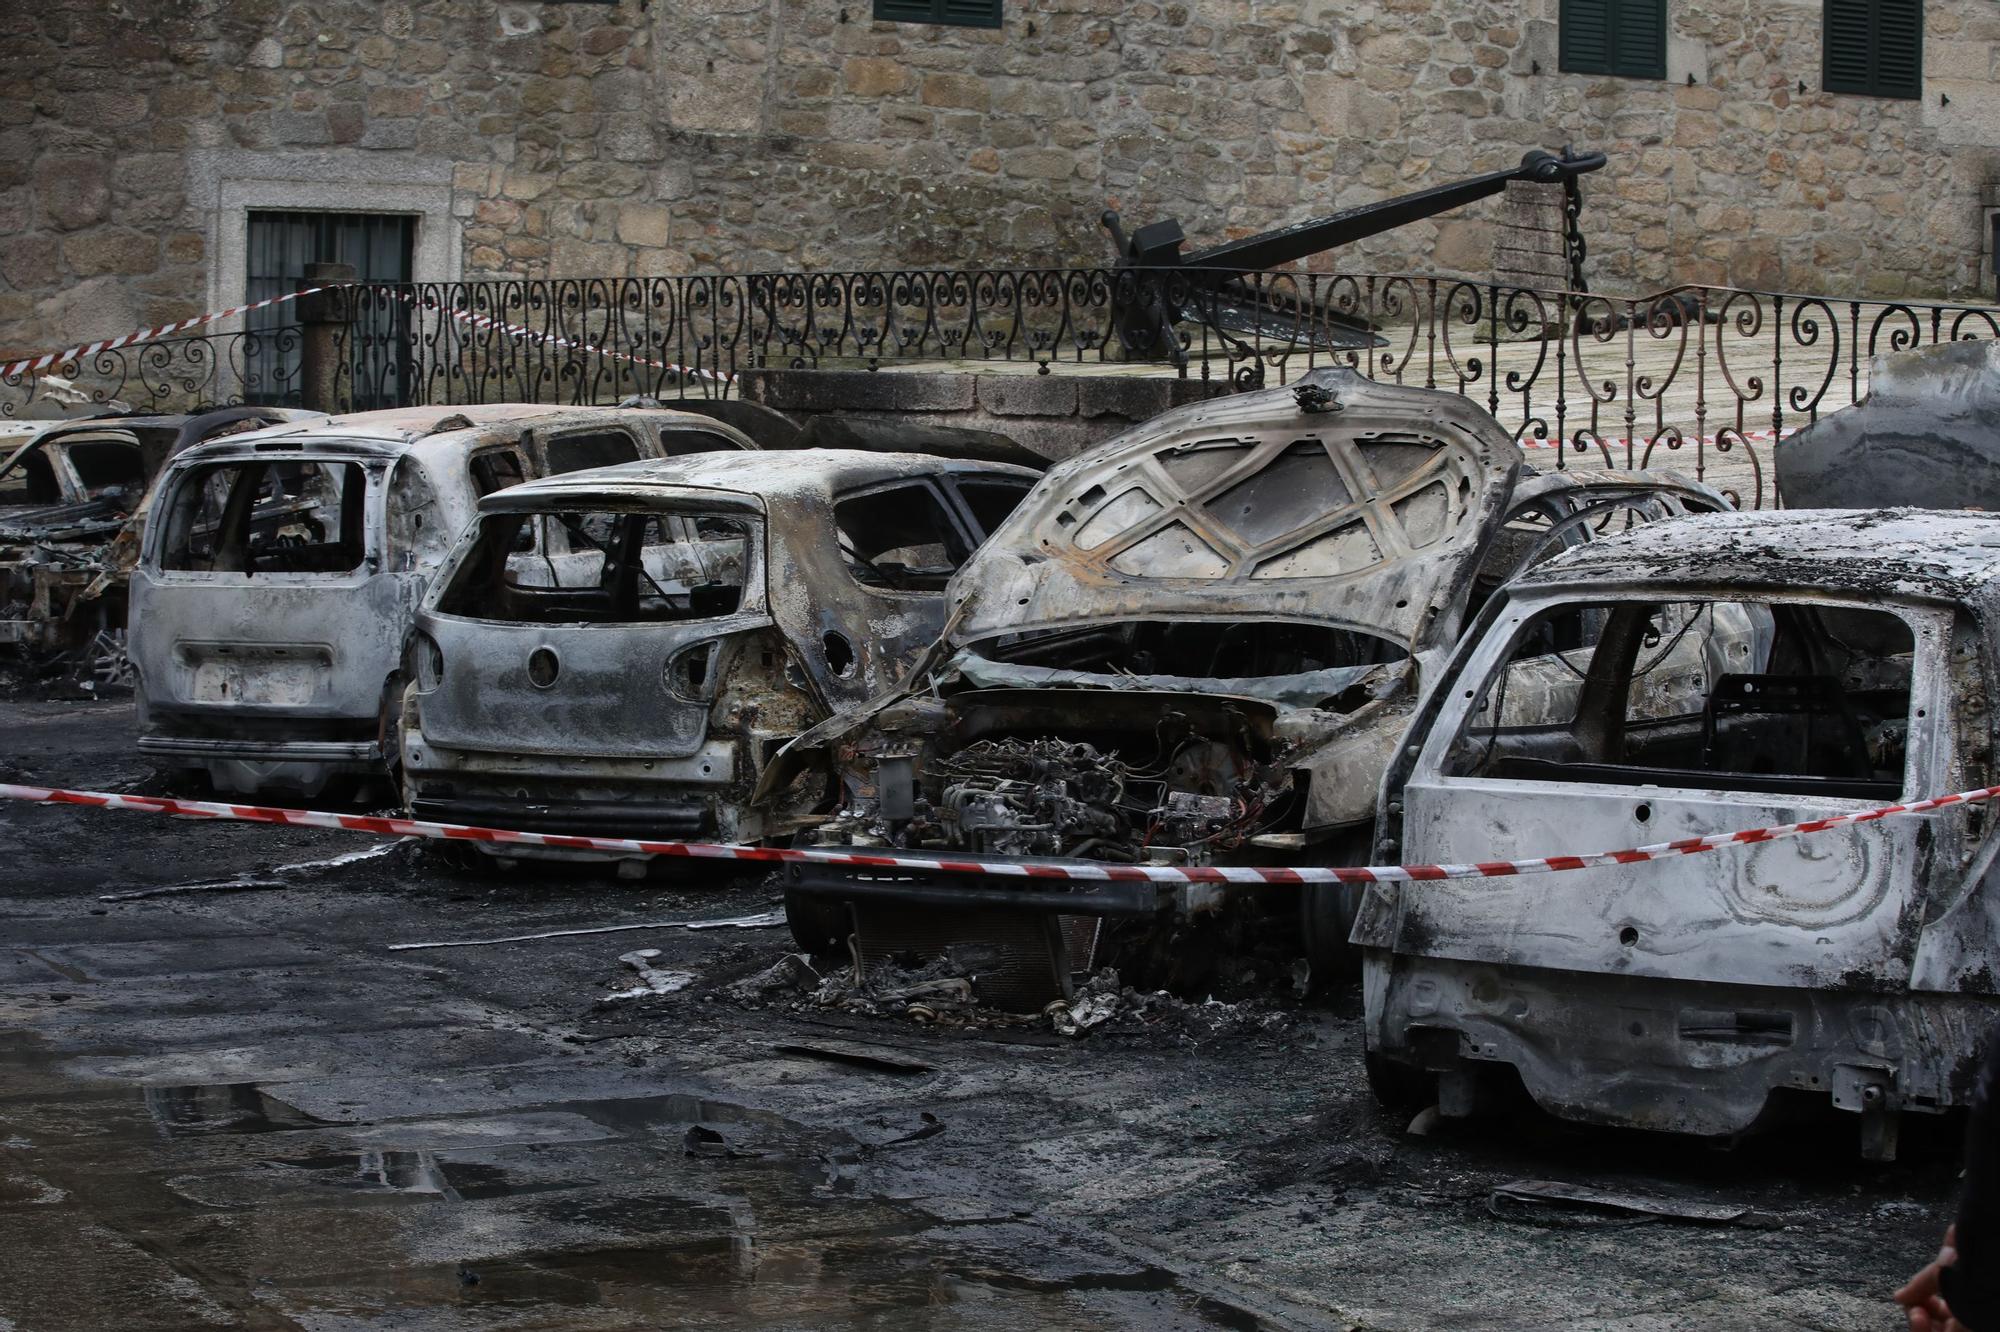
point(820, 926)
point(1326, 919)
point(1399, 1087)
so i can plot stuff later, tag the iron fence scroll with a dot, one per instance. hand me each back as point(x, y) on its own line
point(1699, 378)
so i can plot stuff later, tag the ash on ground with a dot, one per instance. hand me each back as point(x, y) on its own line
point(939, 992)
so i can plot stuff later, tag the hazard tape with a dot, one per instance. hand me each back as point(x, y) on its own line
point(1074, 871)
point(30, 364)
point(521, 331)
point(47, 359)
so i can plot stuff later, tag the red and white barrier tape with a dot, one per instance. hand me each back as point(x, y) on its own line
point(30, 364)
point(1079, 872)
point(47, 359)
point(521, 331)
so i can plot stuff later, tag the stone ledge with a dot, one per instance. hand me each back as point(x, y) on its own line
point(1027, 395)
point(857, 390)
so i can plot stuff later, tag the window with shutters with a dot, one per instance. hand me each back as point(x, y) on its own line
point(957, 13)
point(1874, 47)
point(1627, 38)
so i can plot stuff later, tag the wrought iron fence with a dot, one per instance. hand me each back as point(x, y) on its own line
point(169, 374)
point(1700, 378)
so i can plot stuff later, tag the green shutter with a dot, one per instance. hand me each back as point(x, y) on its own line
point(957, 13)
point(1874, 48)
point(1627, 38)
point(1639, 38)
point(1899, 48)
point(971, 13)
point(1584, 36)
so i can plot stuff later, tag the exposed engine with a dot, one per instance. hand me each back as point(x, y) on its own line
point(1049, 797)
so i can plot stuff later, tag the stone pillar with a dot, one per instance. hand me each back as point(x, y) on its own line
point(1528, 249)
point(322, 317)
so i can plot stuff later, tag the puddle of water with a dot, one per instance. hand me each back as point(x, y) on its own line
point(228, 1107)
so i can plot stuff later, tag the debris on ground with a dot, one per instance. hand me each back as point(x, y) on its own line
point(652, 980)
point(938, 992)
point(1555, 1203)
point(762, 920)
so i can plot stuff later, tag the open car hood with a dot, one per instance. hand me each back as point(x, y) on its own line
point(1335, 499)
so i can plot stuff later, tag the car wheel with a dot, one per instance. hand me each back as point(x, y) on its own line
point(819, 925)
point(1398, 1086)
point(1326, 919)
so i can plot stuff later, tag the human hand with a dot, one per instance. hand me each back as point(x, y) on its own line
point(1921, 1302)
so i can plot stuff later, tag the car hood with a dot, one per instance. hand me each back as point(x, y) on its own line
point(1336, 499)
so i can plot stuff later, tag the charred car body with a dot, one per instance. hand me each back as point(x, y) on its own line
point(622, 651)
point(1703, 993)
point(72, 497)
point(281, 569)
point(1198, 642)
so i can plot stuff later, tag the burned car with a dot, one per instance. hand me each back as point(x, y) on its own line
point(281, 569)
point(1196, 643)
point(1709, 993)
point(72, 497)
point(622, 651)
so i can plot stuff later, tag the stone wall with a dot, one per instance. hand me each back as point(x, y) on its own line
point(583, 139)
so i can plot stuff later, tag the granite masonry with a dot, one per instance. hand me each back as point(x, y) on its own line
point(624, 138)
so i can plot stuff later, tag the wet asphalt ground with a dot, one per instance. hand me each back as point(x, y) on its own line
point(236, 1107)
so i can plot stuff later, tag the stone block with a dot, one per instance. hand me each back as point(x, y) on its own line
point(1027, 395)
point(388, 133)
point(75, 193)
point(874, 76)
point(392, 103)
point(643, 224)
point(859, 390)
point(957, 90)
point(27, 262)
point(110, 250)
point(1134, 399)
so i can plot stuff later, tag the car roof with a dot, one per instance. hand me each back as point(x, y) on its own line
point(1924, 553)
point(818, 473)
point(447, 430)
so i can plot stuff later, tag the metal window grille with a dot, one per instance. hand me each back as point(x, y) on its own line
point(1874, 48)
point(955, 13)
point(380, 247)
point(1626, 38)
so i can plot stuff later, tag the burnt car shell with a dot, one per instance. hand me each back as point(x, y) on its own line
point(1706, 994)
point(545, 695)
point(72, 500)
point(281, 570)
point(1196, 643)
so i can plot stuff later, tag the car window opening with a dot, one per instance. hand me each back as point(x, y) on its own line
point(1782, 697)
point(900, 538)
point(107, 466)
point(991, 501)
point(495, 470)
point(30, 479)
point(1199, 649)
point(602, 567)
point(600, 448)
point(268, 517)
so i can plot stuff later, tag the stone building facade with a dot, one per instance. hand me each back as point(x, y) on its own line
point(677, 136)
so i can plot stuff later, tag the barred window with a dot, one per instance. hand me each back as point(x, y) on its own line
point(1874, 48)
point(1627, 38)
point(955, 13)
